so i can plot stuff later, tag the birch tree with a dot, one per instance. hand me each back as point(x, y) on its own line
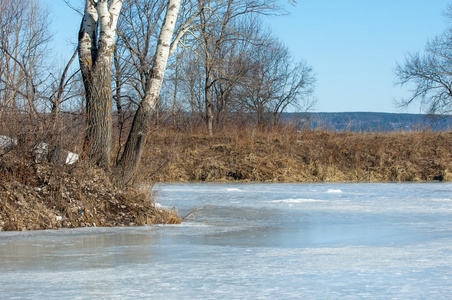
point(95, 47)
point(138, 32)
point(128, 164)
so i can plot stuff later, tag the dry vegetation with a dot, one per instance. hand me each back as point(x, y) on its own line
point(49, 196)
point(286, 155)
point(39, 194)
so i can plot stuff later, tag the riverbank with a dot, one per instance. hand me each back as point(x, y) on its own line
point(49, 196)
point(286, 155)
point(35, 196)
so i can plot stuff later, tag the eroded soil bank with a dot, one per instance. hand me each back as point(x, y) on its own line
point(50, 196)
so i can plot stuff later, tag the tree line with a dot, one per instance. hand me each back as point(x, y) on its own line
point(221, 65)
point(220, 62)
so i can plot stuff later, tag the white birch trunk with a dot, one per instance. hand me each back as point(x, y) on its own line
point(162, 53)
point(130, 159)
point(96, 57)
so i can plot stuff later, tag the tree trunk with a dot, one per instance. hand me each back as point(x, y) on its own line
point(98, 131)
point(209, 105)
point(95, 57)
point(130, 159)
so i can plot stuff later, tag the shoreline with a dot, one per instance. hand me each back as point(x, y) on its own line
point(55, 197)
point(36, 196)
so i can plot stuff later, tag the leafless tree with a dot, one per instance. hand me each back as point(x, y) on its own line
point(24, 37)
point(126, 167)
point(95, 47)
point(429, 74)
point(275, 83)
point(218, 26)
point(208, 21)
point(138, 28)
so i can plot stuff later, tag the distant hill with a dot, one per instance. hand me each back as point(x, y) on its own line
point(369, 121)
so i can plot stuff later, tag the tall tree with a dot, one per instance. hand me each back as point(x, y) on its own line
point(24, 36)
point(218, 24)
point(96, 47)
point(128, 164)
point(96, 58)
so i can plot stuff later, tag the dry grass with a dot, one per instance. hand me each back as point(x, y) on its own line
point(285, 155)
point(38, 194)
point(56, 197)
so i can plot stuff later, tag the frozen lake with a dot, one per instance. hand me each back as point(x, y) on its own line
point(251, 241)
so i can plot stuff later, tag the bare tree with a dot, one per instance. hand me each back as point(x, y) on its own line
point(217, 26)
point(95, 47)
point(96, 59)
point(275, 82)
point(429, 74)
point(63, 87)
point(128, 164)
point(24, 36)
point(138, 28)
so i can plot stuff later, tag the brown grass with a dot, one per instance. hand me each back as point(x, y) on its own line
point(35, 194)
point(38, 194)
point(55, 197)
point(285, 155)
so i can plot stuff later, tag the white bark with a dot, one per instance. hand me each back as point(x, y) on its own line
point(96, 58)
point(130, 159)
point(108, 21)
point(162, 53)
point(97, 13)
point(182, 32)
point(88, 30)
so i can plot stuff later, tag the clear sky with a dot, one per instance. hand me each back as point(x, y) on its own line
point(352, 45)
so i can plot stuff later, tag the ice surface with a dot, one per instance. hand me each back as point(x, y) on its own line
point(270, 241)
point(297, 201)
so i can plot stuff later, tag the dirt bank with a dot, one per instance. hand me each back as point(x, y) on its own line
point(50, 196)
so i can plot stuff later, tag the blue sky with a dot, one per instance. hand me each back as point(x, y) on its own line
point(352, 45)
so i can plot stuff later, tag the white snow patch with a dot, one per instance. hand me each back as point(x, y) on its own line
point(297, 201)
point(442, 200)
point(334, 191)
